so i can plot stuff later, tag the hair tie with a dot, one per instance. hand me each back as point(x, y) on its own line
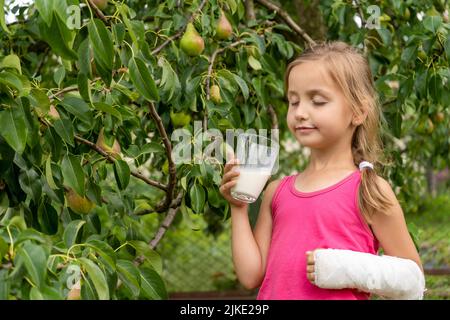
point(365, 164)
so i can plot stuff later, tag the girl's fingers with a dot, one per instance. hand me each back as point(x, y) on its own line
point(311, 277)
point(310, 268)
point(230, 164)
point(227, 185)
point(227, 176)
point(310, 257)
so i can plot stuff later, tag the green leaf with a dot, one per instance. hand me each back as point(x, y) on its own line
point(40, 100)
point(48, 218)
point(150, 255)
point(105, 252)
point(30, 183)
point(3, 249)
point(169, 79)
point(432, 23)
point(71, 232)
point(152, 286)
point(59, 75)
point(141, 78)
point(255, 64)
point(35, 260)
point(98, 278)
point(130, 276)
point(11, 61)
point(101, 42)
point(59, 37)
point(243, 85)
point(435, 87)
point(11, 80)
point(104, 107)
point(197, 196)
point(13, 128)
point(78, 108)
point(64, 129)
point(84, 86)
point(73, 173)
point(49, 173)
point(122, 174)
point(4, 284)
point(2, 18)
point(45, 9)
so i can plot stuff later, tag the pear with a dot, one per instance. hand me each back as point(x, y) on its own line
point(101, 4)
point(113, 151)
point(53, 113)
point(191, 42)
point(223, 29)
point(79, 204)
point(215, 94)
point(75, 292)
point(179, 119)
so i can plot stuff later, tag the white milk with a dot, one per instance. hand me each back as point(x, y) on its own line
point(250, 183)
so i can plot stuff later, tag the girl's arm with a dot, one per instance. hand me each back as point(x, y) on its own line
point(250, 248)
point(391, 231)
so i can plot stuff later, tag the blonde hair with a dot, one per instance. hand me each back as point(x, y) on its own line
point(350, 70)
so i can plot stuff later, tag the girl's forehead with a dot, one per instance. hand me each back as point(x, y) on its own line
point(310, 75)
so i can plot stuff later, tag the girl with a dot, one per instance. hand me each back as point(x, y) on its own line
point(338, 201)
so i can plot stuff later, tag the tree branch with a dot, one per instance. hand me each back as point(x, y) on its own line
point(98, 12)
point(273, 116)
point(287, 18)
point(181, 31)
point(250, 10)
point(174, 207)
point(99, 150)
point(172, 168)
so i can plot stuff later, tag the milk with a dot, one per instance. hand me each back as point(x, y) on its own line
point(250, 183)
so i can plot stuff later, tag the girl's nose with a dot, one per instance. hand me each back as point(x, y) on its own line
point(301, 112)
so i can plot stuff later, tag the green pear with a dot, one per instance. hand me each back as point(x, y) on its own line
point(101, 4)
point(113, 150)
point(215, 94)
point(179, 119)
point(224, 28)
point(191, 42)
point(79, 204)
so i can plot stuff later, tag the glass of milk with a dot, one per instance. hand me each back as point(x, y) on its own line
point(258, 156)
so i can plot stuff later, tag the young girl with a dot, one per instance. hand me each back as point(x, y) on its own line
point(338, 201)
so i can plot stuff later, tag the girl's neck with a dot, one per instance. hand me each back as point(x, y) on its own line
point(330, 159)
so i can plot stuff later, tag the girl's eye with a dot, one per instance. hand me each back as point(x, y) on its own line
point(295, 103)
point(319, 103)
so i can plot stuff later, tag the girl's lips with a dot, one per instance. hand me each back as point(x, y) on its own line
point(305, 129)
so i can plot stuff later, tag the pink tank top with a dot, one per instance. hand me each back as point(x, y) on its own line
point(327, 218)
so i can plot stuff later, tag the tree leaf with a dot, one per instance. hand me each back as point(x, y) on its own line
point(45, 9)
point(150, 255)
point(2, 16)
point(98, 278)
point(130, 275)
point(197, 196)
point(13, 128)
point(59, 37)
point(71, 232)
point(141, 78)
point(432, 23)
point(122, 174)
point(64, 129)
point(243, 85)
point(78, 108)
point(35, 260)
point(30, 183)
point(105, 252)
point(101, 42)
point(11, 61)
point(255, 64)
point(152, 286)
point(73, 173)
point(49, 173)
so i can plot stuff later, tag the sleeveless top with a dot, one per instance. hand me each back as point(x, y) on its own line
point(304, 221)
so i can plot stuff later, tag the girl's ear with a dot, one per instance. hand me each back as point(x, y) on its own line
point(359, 118)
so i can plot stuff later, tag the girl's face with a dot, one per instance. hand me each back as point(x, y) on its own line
point(318, 114)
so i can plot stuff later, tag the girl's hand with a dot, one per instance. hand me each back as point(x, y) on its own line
point(229, 180)
point(310, 266)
